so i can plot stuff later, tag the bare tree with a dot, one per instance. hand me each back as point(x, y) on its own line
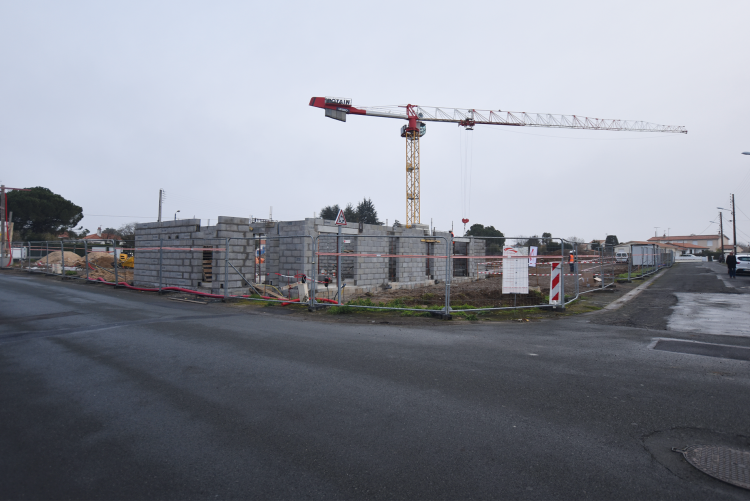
point(127, 231)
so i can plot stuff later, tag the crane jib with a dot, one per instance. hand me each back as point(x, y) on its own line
point(339, 108)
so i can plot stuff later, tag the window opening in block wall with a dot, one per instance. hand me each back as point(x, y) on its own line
point(460, 268)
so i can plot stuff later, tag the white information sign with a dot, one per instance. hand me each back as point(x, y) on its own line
point(515, 270)
point(532, 260)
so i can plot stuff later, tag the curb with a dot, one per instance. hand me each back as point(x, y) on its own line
point(614, 305)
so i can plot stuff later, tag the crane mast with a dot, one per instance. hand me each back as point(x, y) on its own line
point(416, 116)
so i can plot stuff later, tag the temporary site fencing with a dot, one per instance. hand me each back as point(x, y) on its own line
point(647, 259)
point(435, 274)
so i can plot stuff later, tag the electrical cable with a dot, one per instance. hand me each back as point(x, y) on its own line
point(111, 215)
point(707, 227)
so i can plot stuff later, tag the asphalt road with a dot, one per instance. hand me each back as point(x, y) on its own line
point(113, 394)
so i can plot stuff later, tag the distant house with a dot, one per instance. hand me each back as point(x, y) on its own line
point(709, 242)
point(101, 237)
point(102, 242)
point(594, 244)
point(625, 246)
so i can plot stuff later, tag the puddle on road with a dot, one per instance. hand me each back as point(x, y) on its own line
point(721, 314)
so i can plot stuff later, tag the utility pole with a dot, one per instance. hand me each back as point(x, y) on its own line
point(2, 224)
point(160, 193)
point(734, 227)
point(721, 235)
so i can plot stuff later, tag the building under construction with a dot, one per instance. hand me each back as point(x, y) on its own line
point(183, 253)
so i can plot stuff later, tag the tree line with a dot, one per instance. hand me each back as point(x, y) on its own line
point(364, 212)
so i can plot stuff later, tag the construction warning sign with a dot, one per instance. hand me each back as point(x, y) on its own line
point(340, 219)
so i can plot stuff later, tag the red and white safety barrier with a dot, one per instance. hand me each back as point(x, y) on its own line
point(554, 287)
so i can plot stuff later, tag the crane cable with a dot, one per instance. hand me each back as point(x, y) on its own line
point(466, 160)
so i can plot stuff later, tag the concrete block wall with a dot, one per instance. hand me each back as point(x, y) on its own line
point(183, 243)
point(180, 266)
point(289, 253)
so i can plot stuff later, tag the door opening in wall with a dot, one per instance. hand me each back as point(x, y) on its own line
point(208, 264)
point(460, 267)
point(428, 262)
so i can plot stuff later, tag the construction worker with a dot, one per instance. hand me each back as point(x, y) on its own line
point(572, 262)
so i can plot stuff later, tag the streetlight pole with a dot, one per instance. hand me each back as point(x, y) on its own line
point(721, 234)
point(734, 227)
point(175, 215)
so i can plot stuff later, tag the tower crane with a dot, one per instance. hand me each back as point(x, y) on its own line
point(416, 116)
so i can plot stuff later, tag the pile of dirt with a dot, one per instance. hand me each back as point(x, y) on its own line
point(71, 259)
point(102, 259)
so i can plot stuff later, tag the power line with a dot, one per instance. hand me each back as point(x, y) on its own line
point(110, 215)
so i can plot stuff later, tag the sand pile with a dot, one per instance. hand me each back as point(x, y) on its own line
point(71, 259)
point(103, 259)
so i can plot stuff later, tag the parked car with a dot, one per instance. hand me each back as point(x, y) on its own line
point(621, 257)
point(743, 263)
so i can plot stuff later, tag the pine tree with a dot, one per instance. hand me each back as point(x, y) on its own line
point(330, 212)
point(350, 214)
point(366, 212)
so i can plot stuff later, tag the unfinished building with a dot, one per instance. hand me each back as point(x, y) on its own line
point(184, 254)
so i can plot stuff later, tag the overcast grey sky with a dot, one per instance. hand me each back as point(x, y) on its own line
point(106, 102)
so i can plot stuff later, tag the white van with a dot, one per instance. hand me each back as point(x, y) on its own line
point(621, 257)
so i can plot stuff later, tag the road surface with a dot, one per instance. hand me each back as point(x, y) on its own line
point(114, 394)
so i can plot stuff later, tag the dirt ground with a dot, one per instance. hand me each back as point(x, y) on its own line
point(487, 292)
point(123, 275)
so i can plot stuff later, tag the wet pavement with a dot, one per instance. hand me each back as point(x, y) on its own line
point(115, 394)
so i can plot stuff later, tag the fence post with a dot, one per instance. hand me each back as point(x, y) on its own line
point(62, 252)
point(47, 244)
point(448, 248)
point(601, 266)
point(160, 258)
point(86, 257)
point(226, 269)
point(28, 257)
point(313, 275)
point(562, 274)
point(630, 259)
point(114, 261)
point(578, 273)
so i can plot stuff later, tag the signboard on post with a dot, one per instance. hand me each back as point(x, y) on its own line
point(341, 219)
point(515, 270)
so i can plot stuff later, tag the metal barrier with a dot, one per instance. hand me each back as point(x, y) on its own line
point(390, 260)
point(647, 259)
point(430, 274)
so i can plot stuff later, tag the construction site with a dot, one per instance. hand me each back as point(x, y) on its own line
point(321, 262)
